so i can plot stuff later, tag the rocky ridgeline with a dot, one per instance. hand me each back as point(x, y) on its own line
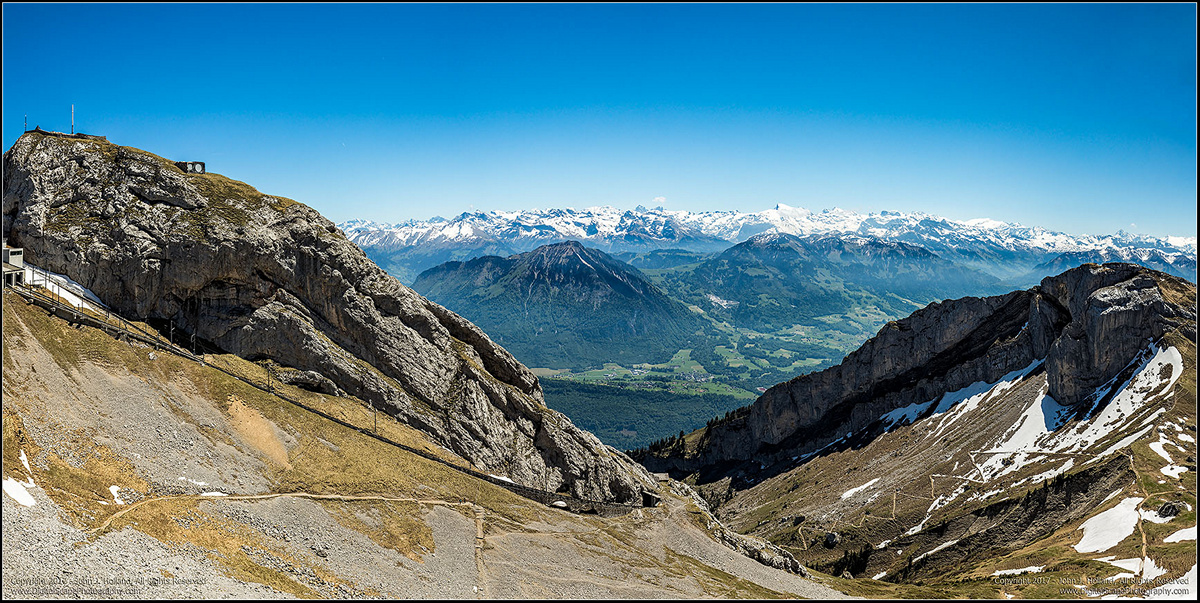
point(1087, 324)
point(268, 278)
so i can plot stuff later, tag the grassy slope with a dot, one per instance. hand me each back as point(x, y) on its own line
point(327, 458)
point(813, 490)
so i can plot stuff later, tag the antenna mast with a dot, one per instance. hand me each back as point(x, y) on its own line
point(72, 118)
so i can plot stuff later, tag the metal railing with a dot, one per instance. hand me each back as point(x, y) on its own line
point(117, 325)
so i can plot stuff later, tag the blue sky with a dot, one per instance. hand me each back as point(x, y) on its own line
point(1079, 118)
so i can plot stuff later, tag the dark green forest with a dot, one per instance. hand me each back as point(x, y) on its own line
point(627, 418)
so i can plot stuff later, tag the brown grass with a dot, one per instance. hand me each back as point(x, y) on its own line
point(390, 524)
point(257, 431)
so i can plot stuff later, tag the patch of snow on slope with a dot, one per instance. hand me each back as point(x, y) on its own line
point(1039, 427)
point(1153, 415)
point(1012, 572)
point(957, 404)
point(853, 491)
point(116, 494)
point(1133, 565)
point(1174, 471)
point(25, 461)
point(905, 414)
point(1127, 440)
point(1158, 447)
point(1182, 588)
point(17, 491)
point(1051, 474)
point(60, 284)
point(1151, 571)
point(1152, 516)
point(1181, 535)
point(1109, 528)
point(935, 549)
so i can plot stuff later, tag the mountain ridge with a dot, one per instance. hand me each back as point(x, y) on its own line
point(564, 304)
point(1079, 323)
point(1005, 250)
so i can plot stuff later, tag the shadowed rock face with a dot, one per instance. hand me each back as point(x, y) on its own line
point(1087, 324)
point(266, 277)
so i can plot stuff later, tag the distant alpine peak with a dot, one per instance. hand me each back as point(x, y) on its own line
point(615, 229)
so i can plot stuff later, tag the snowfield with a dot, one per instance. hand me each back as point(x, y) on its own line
point(17, 491)
point(1106, 530)
point(1041, 426)
point(1182, 535)
point(853, 491)
point(606, 222)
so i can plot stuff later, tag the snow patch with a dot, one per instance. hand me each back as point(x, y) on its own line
point(192, 481)
point(17, 491)
point(853, 491)
point(116, 494)
point(1040, 427)
point(1011, 572)
point(213, 494)
point(502, 478)
point(1182, 588)
point(1134, 565)
point(1151, 571)
point(935, 549)
point(1152, 516)
point(1173, 471)
point(1109, 528)
point(1181, 535)
point(1158, 447)
point(60, 284)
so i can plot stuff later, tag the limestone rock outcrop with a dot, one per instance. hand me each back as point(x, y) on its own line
point(269, 278)
point(1086, 324)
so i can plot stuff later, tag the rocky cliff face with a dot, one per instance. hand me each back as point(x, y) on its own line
point(268, 278)
point(1087, 324)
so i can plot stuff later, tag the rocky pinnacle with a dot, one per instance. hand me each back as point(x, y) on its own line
point(268, 278)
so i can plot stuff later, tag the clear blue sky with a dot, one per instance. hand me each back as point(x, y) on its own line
point(1079, 118)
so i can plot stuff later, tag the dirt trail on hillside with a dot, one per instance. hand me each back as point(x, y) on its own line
point(311, 495)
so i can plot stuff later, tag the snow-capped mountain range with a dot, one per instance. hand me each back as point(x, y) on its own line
point(1004, 249)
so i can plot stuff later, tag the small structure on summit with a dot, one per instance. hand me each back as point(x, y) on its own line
point(191, 167)
point(14, 265)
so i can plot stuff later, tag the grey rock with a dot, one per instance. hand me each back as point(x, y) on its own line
point(268, 278)
point(1169, 509)
point(310, 380)
point(832, 539)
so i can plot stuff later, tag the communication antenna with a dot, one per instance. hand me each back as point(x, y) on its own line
point(72, 118)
